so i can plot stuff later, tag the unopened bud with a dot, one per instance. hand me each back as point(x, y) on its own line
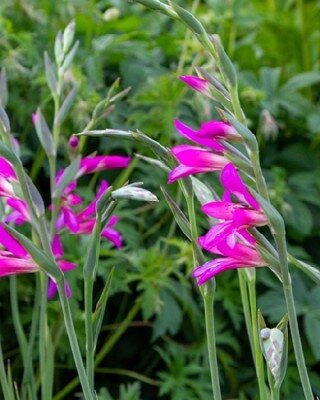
point(273, 344)
point(133, 193)
point(73, 142)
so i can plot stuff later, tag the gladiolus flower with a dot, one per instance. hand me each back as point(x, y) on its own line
point(15, 259)
point(91, 164)
point(238, 256)
point(64, 265)
point(196, 83)
point(195, 160)
point(209, 133)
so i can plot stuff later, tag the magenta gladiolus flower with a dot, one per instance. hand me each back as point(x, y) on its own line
point(20, 213)
point(209, 134)
point(74, 142)
point(233, 184)
point(238, 256)
point(196, 83)
point(64, 265)
point(195, 160)
point(91, 164)
point(14, 259)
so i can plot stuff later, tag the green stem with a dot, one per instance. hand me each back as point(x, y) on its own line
point(23, 344)
point(208, 297)
point(45, 344)
point(87, 392)
point(28, 381)
point(258, 359)
point(88, 288)
point(3, 379)
point(104, 351)
point(293, 322)
point(275, 393)
point(246, 306)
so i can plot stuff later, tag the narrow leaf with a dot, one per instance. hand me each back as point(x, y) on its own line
point(38, 255)
point(51, 75)
point(3, 88)
point(66, 105)
point(36, 197)
point(4, 120)
point(179, 216)
point(8, 154)
point(97, 317)
point(69, 58)
point(312, 272)
point(301, 81)
point(69, 175)
point(44, 134)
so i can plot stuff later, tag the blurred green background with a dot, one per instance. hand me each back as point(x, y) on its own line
point(153, 332)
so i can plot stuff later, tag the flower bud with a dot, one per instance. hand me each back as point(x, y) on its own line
point(133, 192)
point(73, 143)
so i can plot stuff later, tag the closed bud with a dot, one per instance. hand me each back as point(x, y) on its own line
point(133, 192)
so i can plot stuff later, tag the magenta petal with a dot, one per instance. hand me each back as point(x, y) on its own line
point(181, 171)
point(92, 164)
point(112, 235)
point(218, 129)
point(6, 169)
point(232, 182)
point(66, 265)
point(198, 157)
point(52, 289)
point(12, 244)
point(70, 220)
point(220, 209)
point(212, 268)
point(56, 246)
point(196, 83)
point(10, 265)
point(190, 134)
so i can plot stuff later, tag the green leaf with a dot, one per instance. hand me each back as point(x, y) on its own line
point(66, 105)
point(301, 81)
point(68, 176)
point(3, 88)
point(312, 329)
point(97, 316)
point(44, 134)
point(38, 255)
point(169, 318)
point(69, 58)
point(4, 120)
point(51, 75)
point(178, 215)
point(312, 272)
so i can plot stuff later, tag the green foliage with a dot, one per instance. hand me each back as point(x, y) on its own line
point(275, 46)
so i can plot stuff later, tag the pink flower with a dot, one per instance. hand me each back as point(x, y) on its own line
point(83, 222)
point(233, 184)
point(73, 142)
point(195, 160)
point(209, 134)
point(20, 213)
point(7, 178)
point(239, 256)
point(14, 259)
point(64, 265)
point(91, 164)
point(196, 83)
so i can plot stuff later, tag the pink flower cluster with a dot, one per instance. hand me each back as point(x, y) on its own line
point(73, 216)
point(229, 238)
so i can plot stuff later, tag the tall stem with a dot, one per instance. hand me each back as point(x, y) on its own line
point(292, 315)
point(87, 392)
point(246, 306)
point(88, 287)
point(258, 359)
point(208, 298)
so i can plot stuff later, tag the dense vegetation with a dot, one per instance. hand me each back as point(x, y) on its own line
point(152, 343)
